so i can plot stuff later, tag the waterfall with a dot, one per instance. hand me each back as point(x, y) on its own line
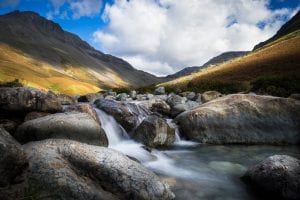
point(115, 133)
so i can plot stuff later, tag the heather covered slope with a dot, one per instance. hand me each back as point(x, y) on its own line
point(70, 61)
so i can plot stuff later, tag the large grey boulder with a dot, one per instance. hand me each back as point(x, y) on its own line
point(277, 176)
point(121, 97)
point(210, 95)
point(182, 107)
point(26, 99)
point(243, 119)
point(174, 100)
point(64, 169)
point(12, 158)
point(154, 132)
point(129, 115)
point(157, 105)
point(66, 99)
point(84, 108)
point(159, 90)
point(75, 126)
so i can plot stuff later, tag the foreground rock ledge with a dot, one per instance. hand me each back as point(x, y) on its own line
point(243, 119)
point(277, 176)
point(65, 169)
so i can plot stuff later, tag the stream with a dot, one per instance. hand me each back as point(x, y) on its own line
point(193, 170)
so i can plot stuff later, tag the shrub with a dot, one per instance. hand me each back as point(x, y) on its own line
point(14, 83)
point(277, 85)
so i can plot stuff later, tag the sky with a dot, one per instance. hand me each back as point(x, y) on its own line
point(164, 36)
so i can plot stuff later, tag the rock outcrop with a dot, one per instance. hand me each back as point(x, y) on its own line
point(154, 132)
point(64, 169)
point(75, 126)
point(12, 160)
point(277, 176)
point(243, 119)
point(26, 99)
point(129, 115)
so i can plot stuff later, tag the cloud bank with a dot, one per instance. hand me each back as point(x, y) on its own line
point(164, 36)
point(74, 8)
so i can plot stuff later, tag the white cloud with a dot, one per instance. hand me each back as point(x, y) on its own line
point(163, 36)
point(75, 8)
point(9, 3)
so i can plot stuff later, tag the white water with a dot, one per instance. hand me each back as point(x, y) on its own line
point(118, 139)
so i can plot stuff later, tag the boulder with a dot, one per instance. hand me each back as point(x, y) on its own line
point(66, 99)
point(133, 94)
point(191, 96)
point(12, 160)
point(83, 108)
point(277, 176)
point(154, 132)
point(90, 97)
point(174, 99)
point(26, 99)
point(121, 97)
point(141, 97)
point(75, 126)
point(157, 105)
point(35, 115)
point(64, 169)
point(210, 95)
point(159, 90)
point(243, 119)
point(295, 96)
point(179, 108)
point(110, 93)
point(9, 125)
point(198, 98)
point(129, 115)
point(149, 96)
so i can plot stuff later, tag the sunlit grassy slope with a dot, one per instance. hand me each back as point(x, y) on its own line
point(71, 80)
point(281, 57)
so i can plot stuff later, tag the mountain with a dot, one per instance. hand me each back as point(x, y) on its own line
point(275, 67)
point(292, 25)
point(41, 54)
point(224, 57)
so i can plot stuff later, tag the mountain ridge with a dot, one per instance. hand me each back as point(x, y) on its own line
point(45, 41)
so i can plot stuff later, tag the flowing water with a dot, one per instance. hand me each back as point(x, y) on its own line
point(196, 171)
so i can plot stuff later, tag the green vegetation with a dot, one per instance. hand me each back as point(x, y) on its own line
point(14, 83)
point(146, 89)
point(277, 85)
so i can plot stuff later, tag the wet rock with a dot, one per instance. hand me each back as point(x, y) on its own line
point(66, 99)
point(129, 115)
point(90, 97)
point(154, 132)
point(174, 99)
point(133, 94)
point(243, 119)
point(110, 93)
point(26, 99)
point(198, 98)
point(9, 125)
point(68, 170)
point(75, 126)
point(157, 105)
point(84, 108)
point(159, 90)
point(149, 96)
point(210, 95)
point(13, 159)
point(121, 97)
point(295, 96)
point(35, 115)
point(141, 97)
point(277, 176)
point(179, 108)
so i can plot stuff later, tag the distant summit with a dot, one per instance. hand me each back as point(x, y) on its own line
point(289, 27)
point(215, 60)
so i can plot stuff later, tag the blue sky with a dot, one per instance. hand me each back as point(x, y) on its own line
point(163, 36)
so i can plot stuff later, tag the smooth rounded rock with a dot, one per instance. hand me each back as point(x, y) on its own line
point(65, 169)
point(76, 126)
point(210, 95)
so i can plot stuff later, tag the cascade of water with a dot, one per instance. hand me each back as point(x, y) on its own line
point(109, 124)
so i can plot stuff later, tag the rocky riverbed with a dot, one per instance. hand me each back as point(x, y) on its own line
point(147, 146)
